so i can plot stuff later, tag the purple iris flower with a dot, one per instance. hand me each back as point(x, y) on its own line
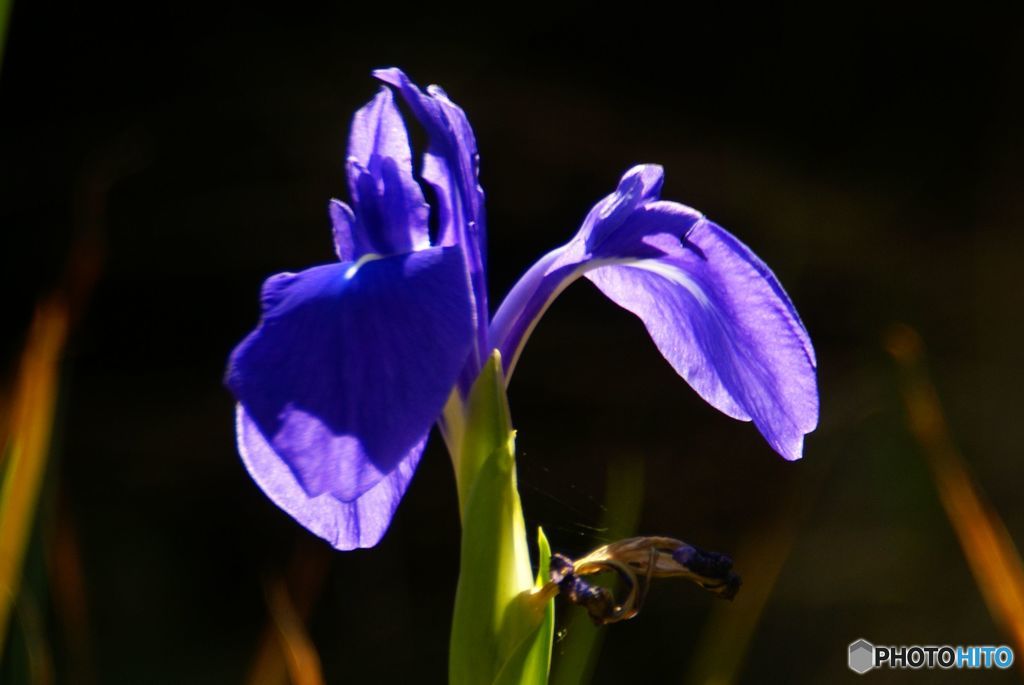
point(353, 362)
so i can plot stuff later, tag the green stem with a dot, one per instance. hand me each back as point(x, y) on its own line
point(500, 628)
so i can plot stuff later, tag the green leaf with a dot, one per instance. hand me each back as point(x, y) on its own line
point(501, 629)
point(531, 661)
point(486, 428)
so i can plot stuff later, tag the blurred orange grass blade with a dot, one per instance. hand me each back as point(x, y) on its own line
point(303, 581)
point(300, 654)
point(27, 444)
point(30, 620)
point(68, 593)
point(5, 417)
point(991, 554)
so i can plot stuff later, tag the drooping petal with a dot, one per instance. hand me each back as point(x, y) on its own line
point(451, 165)
point(639, 185)
point(526, 302)
point(390, 211)
point(352, 363)
point(345, 525)
point(715, 310)
point(721, 319)
point(628, 225)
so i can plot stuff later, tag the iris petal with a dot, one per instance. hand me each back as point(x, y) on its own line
point(352, 363)
point(638, 186)
point(714, 310)
point(451, 165)
point(346, 525)
point(627, 225)
point(721, 319)
point(390, 212)
point(343, 223)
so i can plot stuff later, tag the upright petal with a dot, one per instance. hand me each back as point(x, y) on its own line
point(390, 212)
point(451, 162)
point(352, 363)
point(346, 525)
point(343, 223)
point(720, 318)
point(451, 165)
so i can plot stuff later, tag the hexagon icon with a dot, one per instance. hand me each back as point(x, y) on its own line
point(862, 656)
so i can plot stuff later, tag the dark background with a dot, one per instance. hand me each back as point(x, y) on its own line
point(871, 156)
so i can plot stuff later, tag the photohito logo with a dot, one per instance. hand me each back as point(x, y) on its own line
point(864, 656)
